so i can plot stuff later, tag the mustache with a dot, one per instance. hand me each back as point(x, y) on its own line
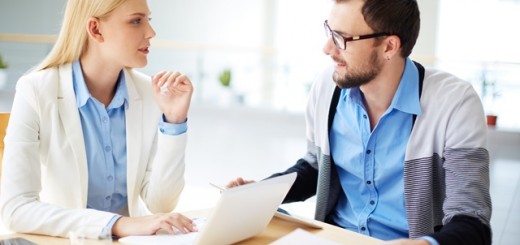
point(337, 60)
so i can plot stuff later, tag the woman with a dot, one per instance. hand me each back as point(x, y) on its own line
point(91, 141)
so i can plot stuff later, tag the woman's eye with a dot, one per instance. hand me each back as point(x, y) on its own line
point(136, 21)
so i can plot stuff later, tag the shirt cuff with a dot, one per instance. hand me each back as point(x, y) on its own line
point(171, 128)
point(113, 221)
point(430, 240)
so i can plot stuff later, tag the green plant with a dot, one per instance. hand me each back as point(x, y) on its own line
point(225, 78)
point(3, 64)
point(489, 88)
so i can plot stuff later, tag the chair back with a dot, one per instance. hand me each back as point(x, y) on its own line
point(4, 119)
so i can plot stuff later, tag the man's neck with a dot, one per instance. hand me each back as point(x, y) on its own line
point(379, 93)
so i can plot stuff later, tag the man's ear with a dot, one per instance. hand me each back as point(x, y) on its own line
point(392, 46)
point(93, 29)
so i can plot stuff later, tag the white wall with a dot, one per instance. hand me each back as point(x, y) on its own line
point(273, 47)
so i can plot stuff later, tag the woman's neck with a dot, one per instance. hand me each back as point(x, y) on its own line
point(100, 77)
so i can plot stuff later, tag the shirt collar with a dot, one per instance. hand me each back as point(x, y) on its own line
point(406, 97)
point(83, 94)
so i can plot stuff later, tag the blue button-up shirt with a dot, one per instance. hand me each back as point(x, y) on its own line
point(104, 133)
point(370, 162)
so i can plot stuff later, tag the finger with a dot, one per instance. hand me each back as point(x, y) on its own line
point(168, 83)
point(181, 79)
point(167, 226)
point(157, 77)
point(182, 223)
point(183, 84)
point(179, 83)
point(164, 79)
point(172, 76)
point(241, 181)
point(188, 225)
point(232, 184)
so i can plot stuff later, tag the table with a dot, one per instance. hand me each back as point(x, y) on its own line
point(276, 229)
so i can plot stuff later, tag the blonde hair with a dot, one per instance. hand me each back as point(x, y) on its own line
point(73, 37)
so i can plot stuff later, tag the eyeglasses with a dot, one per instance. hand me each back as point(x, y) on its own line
point(341, 41)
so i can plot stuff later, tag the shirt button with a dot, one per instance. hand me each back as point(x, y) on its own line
point(369, 182)
point(365, 116)
point(372, 202)
point(162, 130)
point(368, 151)
point(108, 148)
point(110, 178)
point(107, 198)
point(105, 119)
point(363, 228)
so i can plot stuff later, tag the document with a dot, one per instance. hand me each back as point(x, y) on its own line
point(302, 237)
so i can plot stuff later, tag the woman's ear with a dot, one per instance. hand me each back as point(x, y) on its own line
point(93, 29)
point(392, 46)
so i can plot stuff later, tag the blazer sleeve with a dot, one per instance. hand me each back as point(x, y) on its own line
point(20, 204)
point(164, 178)
point(162, 157)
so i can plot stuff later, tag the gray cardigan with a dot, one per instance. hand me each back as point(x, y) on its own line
point(446, 169)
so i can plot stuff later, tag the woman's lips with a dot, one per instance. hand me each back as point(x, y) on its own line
point(144, 50)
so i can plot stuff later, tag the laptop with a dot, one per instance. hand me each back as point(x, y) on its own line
point(241, 212)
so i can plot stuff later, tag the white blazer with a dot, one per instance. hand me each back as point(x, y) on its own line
point(45, 176)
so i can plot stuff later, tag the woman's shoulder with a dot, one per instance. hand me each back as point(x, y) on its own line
point(38, 75)
point(43, 79)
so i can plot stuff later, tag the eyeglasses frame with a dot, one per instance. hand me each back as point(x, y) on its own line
point(331, 33)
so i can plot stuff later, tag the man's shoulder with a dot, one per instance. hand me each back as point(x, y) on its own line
point(439, 84)
point(324, 85)
point(439, 78)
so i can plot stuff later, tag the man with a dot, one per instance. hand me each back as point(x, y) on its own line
point(395, 152)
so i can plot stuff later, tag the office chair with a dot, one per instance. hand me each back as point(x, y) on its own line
point(4, 119)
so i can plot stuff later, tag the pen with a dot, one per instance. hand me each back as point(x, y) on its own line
point(217, 186)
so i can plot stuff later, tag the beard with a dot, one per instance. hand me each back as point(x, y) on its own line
point(358, 77)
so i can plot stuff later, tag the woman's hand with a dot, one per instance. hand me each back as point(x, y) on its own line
point(149, 225)
point(173, 92)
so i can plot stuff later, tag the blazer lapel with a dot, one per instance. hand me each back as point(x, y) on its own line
point(70, 119)
point(134, 124)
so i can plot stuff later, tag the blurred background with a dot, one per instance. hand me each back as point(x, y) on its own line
point(252, 63)
point(272, 48)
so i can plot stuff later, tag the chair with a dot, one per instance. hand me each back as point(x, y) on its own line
point(4, 119)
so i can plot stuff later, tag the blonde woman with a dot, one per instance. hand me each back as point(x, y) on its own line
point(90, 140)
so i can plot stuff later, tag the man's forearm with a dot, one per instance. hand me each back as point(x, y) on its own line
point(305, 184)
point(462, 230)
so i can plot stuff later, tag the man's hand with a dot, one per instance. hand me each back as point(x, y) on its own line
point(149, 225)
point(238, 182)
point(406, 242)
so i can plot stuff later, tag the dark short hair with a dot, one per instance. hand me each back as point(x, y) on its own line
point(397, 17)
